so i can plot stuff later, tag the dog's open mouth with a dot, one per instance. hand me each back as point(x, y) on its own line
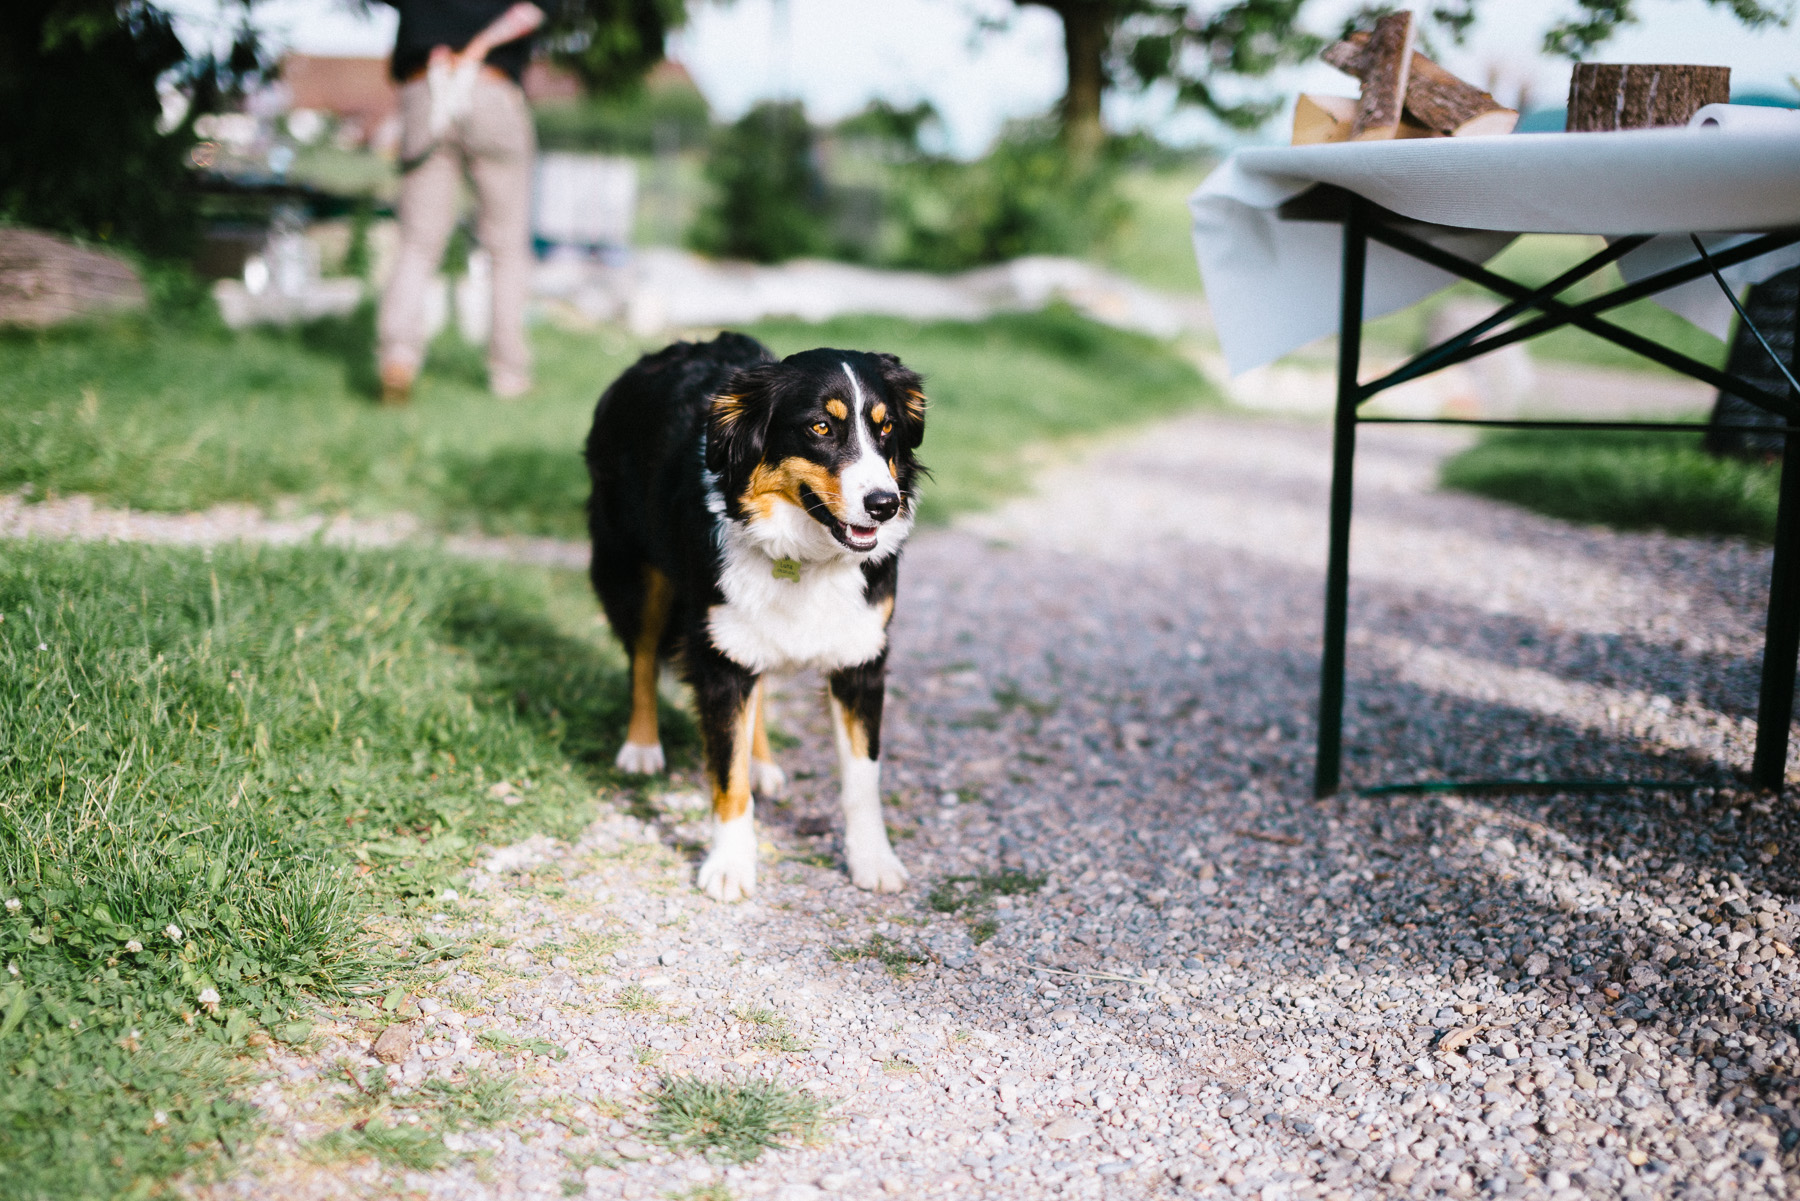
point(856, 537)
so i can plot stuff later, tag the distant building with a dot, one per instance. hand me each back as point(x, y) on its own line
point(356, 91)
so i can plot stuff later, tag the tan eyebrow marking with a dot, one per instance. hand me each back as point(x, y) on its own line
point(878, 414)
point(837, 408)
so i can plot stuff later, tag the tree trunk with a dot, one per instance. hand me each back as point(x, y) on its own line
point(1087, 30)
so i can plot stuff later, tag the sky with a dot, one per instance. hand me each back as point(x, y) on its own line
point(837, 55)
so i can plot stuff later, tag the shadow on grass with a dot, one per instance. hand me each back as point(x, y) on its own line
point(566, 687)
point(350, 339)
point(518, 490)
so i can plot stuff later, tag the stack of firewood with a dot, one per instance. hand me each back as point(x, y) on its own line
point(1404, 94)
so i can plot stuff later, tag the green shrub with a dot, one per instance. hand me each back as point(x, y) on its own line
point(645, 121)
point(770, 200)
point(80, 150)
point(1624, 479)
point(1025, 197)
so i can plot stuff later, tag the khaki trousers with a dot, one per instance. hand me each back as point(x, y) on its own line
point(495, 143)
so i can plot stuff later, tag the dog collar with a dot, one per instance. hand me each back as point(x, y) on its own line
point(786, 569)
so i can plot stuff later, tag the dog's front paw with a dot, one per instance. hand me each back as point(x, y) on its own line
point(640, 758)
point(729, 871)
point(767, 780)
point(877, 869)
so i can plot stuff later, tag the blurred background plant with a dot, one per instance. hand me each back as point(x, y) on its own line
point(98, 101)
point(770, 201)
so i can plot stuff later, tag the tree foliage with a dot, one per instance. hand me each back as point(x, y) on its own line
point(770, 201)
point(1206, 50)
point(610, 44)
point(82, 150)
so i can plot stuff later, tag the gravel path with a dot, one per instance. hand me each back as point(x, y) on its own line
point(1221, 988)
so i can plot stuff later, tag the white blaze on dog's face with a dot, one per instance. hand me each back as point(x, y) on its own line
point(814, 455)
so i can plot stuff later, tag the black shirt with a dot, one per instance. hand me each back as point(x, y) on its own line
point(452, 23)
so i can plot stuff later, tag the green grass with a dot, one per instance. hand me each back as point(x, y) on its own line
point(173, 416)
point(199, 755)
point(727, 1120)
point(178, 415)
point(1155, 245)
point(775, 1033)
point(635, 998)
point(1624, 479)
point(954, 893)
point(405, 1128)
point(888, 952)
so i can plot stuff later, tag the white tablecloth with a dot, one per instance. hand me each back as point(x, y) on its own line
point(1273, 284)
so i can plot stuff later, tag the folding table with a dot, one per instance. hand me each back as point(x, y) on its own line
point(1285, 236)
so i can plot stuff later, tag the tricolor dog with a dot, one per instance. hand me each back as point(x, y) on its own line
point(747, 517)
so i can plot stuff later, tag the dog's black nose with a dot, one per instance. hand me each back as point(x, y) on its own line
point(881, 505)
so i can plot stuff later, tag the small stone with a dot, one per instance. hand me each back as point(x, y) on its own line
point(395, 1043)
point(837, 1182)
point(1065, 1129)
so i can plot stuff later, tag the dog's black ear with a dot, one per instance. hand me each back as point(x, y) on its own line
point(907, 391)
point(737, 425)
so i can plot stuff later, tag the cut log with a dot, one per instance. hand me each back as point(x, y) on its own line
point(1435, 98)
point(1387, 64)
point(1323, 118)
point(45, 279)
point(1605, 96)
point(1319, 118)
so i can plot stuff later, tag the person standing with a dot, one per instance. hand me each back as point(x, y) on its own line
point(459, 64)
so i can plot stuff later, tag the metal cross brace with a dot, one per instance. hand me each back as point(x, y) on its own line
point(1364, 221)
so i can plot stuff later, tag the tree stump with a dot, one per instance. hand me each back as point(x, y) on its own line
point(1605, 96)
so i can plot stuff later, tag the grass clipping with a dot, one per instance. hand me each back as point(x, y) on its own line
point(734, 1121)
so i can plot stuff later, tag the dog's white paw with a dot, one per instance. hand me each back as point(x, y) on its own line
point(640, 758)
point(729, 871)
point(876, 868)
point(767, 780)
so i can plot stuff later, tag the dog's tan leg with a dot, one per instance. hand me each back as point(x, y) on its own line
point(729, 872)
point(642, 752)
point(767, 780)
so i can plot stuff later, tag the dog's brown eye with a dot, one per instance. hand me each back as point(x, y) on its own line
point(887, 427)
point(820, 428)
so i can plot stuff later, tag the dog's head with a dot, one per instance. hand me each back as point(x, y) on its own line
point(815, 453)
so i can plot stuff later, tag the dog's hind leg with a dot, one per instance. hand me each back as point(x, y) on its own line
point(642, 752)
point(725, 694)
point(767, 780)
point(856, 699)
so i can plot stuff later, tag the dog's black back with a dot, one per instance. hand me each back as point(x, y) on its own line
point(648, 503)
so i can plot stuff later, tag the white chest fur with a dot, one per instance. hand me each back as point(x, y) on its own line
point(775, 624)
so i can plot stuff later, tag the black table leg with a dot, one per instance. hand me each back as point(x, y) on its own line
point(1329, 764)
point(1781, 639)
